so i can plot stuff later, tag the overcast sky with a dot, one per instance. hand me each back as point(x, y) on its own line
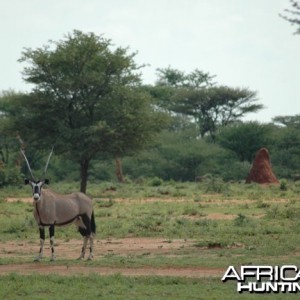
point(243, 42)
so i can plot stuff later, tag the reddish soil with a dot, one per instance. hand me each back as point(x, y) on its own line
point(69, 250)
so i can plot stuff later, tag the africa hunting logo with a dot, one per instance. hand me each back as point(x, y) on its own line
point(265, 279)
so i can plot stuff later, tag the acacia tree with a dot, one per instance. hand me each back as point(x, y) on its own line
point(76, 84)
point(288, 121)
point(245, 139)
point(178, 79)
point(197, 96)
point(132, 123)
point(172, 82)
point(293, 15)
point(215, 107)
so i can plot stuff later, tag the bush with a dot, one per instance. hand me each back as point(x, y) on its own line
point(9, 176)
point(156, 182)
point(283, 185)
point(215, 185)
point(241, 220)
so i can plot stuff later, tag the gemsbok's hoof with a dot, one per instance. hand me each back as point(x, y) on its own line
point(91, 256)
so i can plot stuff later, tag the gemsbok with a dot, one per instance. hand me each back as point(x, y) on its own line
point(52, 209)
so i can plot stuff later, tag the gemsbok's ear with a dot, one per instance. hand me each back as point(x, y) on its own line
point(46, 181)
point(26, 181)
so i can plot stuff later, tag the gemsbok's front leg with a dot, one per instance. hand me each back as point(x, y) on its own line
point(51, 234)
point(42, 242)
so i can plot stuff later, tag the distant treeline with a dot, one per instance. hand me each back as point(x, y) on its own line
point(89, 102)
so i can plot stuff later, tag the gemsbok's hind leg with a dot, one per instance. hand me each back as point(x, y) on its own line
point(42, 242)
point(82, 254)
point(51, 234)
point(86, 233)
point(91, 256)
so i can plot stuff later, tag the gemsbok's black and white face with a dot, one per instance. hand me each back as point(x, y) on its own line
point(36, 186)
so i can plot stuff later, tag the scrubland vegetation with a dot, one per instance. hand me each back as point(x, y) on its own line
point(228, 223)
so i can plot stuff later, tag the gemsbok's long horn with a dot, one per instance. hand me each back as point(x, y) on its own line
point(47, 163)
point(28, 165)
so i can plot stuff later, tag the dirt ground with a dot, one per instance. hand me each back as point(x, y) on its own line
point(70, 250)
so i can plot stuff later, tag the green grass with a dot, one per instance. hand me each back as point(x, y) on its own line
point(119, 287)
point(209, 189)
point(263, 228)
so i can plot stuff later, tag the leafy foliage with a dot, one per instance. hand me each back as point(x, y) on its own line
point(289, 121)
point(86, 100)
point(286, 151)
point(245, 139)
point(178, 79)
point(197, 96)
point(216, 106)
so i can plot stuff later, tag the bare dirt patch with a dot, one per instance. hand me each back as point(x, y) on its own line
point(165, 200)
point(70, 250)
point(16, 199)
point(121, 247)
point(219, 216)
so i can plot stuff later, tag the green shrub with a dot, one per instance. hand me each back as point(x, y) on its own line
point(283, 185)
point(215, 185)
point(241, 220)
point(9, 176)
point(155, 182)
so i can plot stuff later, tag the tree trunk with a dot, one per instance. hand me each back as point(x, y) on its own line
point(84, 166)
point(119, 170)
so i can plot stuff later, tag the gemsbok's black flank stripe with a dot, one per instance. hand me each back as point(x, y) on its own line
point(55, 223)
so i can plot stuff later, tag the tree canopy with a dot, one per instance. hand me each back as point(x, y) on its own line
point(86, 99)
point(288, 121)
point(245, 139)
point(195, 94)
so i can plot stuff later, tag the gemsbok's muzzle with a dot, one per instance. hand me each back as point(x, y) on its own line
point(36, 189)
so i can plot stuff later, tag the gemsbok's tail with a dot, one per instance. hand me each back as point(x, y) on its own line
point(93, 223)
